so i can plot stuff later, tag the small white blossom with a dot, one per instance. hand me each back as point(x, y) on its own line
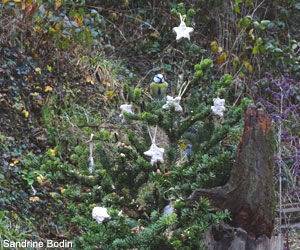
point(218, 107)
point(100, 214)
point(173, 101)
point(182, 31)
point(125, 108)
point(155, 153)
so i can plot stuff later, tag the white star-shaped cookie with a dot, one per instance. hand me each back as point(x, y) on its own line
point(100, 214)
point(182, 31)
point(155, 153)
point(173, 101)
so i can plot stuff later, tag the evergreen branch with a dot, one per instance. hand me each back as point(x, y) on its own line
point(191, 120)
point(222, 132)
point(144, 238)
point(145, 116)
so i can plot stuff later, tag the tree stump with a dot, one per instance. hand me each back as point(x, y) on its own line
point(224, 237)
point(249, 194)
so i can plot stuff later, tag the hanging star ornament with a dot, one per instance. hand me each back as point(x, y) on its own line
point(155, 153)
point(125, 108)
point(173, 102)
point(219, 107)
point(182, 31)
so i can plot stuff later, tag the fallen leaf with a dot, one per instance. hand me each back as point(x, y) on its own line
point(222, 58)
point(110, 94)
point(34, 199)
point(154, 35)
point(248, 67)
point(48, 88)
point(90, 80)
point(62, 190)
point(46, 184)
point(40, 178)
point(214, 46)
point(57, 3)
point(38, 70)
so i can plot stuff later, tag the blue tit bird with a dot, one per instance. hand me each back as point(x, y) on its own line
point(158, 87)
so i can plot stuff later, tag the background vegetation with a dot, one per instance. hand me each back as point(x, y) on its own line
point(65, 68)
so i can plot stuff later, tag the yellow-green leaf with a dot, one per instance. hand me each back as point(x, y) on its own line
point(38, 70)
point(222, 58)
point(62, 190)
point(237, 8)
point(248, 67)
point(251, 34)
point(26, 113)
point(52, 152)
point(255, 50)
point(213, 46)
point(57, 3)
point(154, 35)
point(110, 94)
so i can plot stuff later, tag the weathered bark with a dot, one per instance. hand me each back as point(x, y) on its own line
point(249, 193)
point(224, 237)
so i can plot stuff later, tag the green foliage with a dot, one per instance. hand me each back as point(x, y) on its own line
point(66, 74)
point(148, 238)
point(15, 230)
point(182, 11)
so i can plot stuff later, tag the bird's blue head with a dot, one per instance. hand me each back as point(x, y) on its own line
point(159, 78)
